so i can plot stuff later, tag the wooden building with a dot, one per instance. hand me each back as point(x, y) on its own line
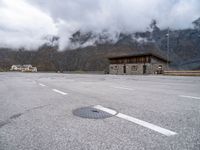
point(137, 64)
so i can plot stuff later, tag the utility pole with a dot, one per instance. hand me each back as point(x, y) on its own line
point(168, 49)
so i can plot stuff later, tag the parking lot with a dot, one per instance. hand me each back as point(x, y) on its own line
point(38, 111)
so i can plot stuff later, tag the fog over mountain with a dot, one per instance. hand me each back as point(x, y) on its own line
point(28, 23)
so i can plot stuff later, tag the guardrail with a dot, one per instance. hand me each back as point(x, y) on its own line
point(84, 72)
point(182, 73)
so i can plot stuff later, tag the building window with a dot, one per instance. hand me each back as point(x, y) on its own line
point(116, 67)
point(160, 67)
point(134, 68)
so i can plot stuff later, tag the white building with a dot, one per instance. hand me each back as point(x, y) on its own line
point(16, 68)
point(23, 68)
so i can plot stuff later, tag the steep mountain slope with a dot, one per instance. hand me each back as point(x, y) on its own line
point(89, 51)
point(184, 45)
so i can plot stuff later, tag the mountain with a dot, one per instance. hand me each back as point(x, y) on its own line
point(88, 51)
point(184, 46)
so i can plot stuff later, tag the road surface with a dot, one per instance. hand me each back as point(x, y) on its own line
point(152, 112)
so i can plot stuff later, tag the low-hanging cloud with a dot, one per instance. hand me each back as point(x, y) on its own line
point(22, 25)
point(26, 22)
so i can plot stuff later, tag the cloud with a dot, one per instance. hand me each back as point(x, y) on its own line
point(25, 22)
point(23, 25)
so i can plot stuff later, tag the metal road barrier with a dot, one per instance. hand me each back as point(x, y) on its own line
point(183, 73)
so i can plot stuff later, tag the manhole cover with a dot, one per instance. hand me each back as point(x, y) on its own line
point(91, 113)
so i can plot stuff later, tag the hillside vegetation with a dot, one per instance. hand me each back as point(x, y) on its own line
point(184, 51)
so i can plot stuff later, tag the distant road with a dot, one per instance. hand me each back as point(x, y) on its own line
point(146, 112)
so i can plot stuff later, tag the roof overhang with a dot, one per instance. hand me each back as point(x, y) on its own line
point(139, 55)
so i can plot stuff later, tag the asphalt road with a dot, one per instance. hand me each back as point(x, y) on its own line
point(153, 112)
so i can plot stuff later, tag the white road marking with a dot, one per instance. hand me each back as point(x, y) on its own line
point(137, 121)
point(189, 97)
point(70, 80)
point(124, 88)
point(60, 92)
point(42, 84)
point(110, 111)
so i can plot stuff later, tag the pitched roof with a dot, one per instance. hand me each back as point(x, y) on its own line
point(145, 50)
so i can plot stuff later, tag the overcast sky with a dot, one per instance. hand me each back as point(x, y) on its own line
point(27, 22)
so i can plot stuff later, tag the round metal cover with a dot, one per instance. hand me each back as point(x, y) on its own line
point(91, 113)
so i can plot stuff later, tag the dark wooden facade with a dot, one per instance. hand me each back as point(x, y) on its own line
point(127, 60)
point(137, 64)
point(142, 58)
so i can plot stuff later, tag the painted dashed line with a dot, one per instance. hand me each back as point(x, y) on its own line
point(153, 127)
point(55, 90)
point(60, 92)
point(192, 97)
point(123, 88)
point(70, 80)
point(42, 84)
